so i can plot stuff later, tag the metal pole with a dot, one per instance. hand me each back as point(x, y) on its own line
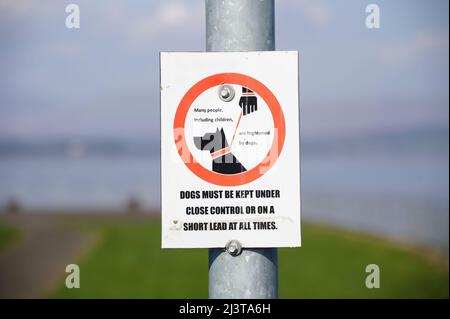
point(241, 25)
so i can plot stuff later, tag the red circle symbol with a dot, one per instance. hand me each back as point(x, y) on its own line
point(272, 154)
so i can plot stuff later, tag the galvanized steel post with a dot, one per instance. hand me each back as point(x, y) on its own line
point(236, 272)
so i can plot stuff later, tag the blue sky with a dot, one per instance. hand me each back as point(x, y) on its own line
point(102, 80)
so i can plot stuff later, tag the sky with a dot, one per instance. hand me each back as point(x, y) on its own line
point(102, 80)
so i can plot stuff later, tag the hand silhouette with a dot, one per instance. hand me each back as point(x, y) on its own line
point(248, 101)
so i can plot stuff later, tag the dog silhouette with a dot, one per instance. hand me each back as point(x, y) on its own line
point(223, 161)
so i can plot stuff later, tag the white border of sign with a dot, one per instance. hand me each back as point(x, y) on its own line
point(277, 71)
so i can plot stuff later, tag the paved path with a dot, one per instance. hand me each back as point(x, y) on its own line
point(35, 264)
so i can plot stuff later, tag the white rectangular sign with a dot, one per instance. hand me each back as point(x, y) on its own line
point(230, 149)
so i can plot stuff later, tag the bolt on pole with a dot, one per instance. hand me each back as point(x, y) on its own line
point(236, 272)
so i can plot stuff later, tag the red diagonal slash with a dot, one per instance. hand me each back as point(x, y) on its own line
point(235, 130)
point(225, 150)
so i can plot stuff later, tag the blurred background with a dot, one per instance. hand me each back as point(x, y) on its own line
point(79, 145)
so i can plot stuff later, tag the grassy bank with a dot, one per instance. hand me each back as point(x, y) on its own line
point(128, 262)
point(7, 235)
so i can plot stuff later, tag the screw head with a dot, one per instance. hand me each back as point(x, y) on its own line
point(233, 247)
point(226, 93)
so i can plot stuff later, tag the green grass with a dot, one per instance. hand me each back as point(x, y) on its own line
point(128, 262)
point(7, 235)
point(331, 264)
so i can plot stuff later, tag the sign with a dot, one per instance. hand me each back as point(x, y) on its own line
point(230, 149)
